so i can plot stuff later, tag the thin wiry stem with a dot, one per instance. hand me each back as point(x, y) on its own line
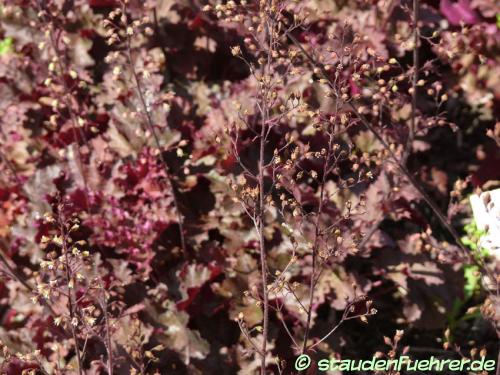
point(71, 298)
point(412, 129)
point(345, 317)
point(64, 70)
point(264, 107)
point(262, 244)
point(315, 252)
point(74, 122)
point(18, 276)
point(263, 255)
point(13, 273)
point(437, 211)
point(151, 127)
point(243, 329)
point(109, 348)
point(280, 318)
point(400, 164)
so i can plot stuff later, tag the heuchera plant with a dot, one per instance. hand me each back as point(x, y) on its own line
point(198, 187)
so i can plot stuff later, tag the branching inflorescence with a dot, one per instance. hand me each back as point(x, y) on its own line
point(191, 188)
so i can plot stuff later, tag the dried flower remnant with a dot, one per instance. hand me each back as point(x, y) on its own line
point(191, 188)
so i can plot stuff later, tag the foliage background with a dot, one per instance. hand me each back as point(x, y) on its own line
point(173, 311)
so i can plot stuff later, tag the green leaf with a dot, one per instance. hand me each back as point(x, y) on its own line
point(472, 239)
point(498, 20)
point(471, 281)
point(6, 46)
